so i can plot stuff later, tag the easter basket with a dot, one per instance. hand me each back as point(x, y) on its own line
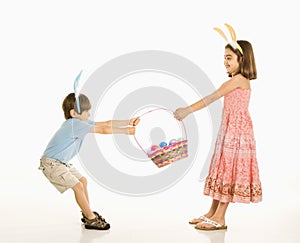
point(167, 153)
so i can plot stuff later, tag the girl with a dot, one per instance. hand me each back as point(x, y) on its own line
point(233, 174)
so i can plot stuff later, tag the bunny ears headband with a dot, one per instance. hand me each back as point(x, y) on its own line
point(233, 43)
point(76, 92)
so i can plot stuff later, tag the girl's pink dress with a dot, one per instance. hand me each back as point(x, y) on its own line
point(233, 174)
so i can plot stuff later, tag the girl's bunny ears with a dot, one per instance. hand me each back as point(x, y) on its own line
point(233, 42)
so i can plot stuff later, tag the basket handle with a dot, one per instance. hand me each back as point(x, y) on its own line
point(156, 109)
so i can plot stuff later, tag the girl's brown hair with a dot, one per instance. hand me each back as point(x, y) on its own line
point(69, 104)
point(246, 60)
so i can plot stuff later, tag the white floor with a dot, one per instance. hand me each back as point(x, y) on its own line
point(32, 211)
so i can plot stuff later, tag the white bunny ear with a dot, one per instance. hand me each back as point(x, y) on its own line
point(232, 32)
point(221, 33)
point(75, 86)
point(233, 43)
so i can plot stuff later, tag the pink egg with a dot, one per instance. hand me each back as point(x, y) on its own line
point(154, 147)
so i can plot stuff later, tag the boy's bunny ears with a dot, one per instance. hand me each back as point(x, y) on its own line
point(233, 42)
point(75, 86)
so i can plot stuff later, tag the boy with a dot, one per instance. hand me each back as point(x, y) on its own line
point(66, 143)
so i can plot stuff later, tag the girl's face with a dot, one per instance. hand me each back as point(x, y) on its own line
point(231, 62)
point(84, 116)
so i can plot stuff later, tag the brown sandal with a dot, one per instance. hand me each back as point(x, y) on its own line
point(97, 223)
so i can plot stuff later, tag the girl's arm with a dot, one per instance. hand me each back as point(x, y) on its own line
point(225, 89)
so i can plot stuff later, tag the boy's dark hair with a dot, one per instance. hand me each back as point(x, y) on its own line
point(69, 104)
point(247, 60)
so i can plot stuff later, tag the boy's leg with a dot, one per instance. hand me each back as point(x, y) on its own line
point(82, 200)
point(65, 176)
point(83, 180)
point(92, 221)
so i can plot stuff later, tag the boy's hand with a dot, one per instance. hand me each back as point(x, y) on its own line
point(134, 121)
point(131, 130)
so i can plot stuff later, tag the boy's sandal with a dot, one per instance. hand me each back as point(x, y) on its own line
point(83, 219)
point(96, 224)
point(215, 225)
point(198, 220)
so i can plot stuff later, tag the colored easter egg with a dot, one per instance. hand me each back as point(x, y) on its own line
point(180, 139)
point(154, 147)
point(172, 141)
point(163, 144)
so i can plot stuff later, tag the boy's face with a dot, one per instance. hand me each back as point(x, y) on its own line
point(84, 116)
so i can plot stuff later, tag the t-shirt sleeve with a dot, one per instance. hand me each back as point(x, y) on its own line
point(91, 122)
point(81, 128)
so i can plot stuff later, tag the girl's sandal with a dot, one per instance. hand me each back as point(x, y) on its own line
point(214, 224)
point(199, 220)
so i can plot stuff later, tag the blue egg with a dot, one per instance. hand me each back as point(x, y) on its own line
point(163, 144)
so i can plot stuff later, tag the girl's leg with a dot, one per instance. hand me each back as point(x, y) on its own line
point(219, 216)
point(211, 212)
point(213, 208)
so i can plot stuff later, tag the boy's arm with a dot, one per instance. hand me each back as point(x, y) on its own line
point(124, 123)
point(116, 126)
point(101, 127)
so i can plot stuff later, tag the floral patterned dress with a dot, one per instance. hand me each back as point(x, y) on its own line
point(233, 174)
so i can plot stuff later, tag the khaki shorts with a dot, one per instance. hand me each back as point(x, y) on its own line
point(62, 176)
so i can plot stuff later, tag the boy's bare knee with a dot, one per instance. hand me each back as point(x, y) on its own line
point(78, 187)
point(83, 180)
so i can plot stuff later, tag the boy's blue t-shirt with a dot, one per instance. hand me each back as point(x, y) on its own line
point(67, 141)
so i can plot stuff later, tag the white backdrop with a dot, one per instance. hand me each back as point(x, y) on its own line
point(44, 44)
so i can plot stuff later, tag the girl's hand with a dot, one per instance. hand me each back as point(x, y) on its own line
point(134, 121)
point(182, 113)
